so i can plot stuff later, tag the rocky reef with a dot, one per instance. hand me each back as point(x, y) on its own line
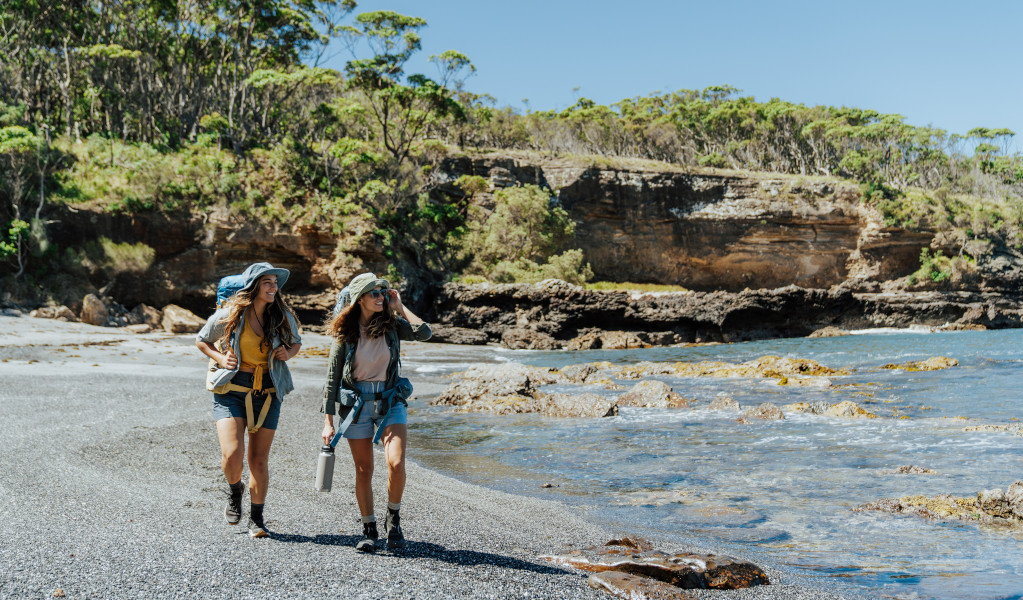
point(554, 314)
point(517, 388)
point(993, 507)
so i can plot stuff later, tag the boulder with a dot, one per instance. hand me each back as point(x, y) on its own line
point(636, 587)
point(575, 405)
point(621, 340)
point(586, 341)
point(910, 470)
point(60, 313)
point(994, 503)
point(585, 372)
point(652, 394)
point(828, 331)
point(139, 328)
point(849, 409)
point(1014, 496)
point(94, 311)
point(724, 402)
point(933, 363)
point(681, 570)
point(180, 320)
point(765, 412)
point(519, 338)
point(504, 388)
point(145, 314)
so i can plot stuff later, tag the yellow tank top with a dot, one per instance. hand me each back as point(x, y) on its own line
point(252, 355)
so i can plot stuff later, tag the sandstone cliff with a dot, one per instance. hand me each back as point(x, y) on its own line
point(828, 257)
point(707, 231)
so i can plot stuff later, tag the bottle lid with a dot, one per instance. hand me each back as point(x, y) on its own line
point(327, 448)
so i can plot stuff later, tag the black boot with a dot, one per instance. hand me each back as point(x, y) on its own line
point(368, 543)
point(257, 528)
point(233, 512)
point(395, 538)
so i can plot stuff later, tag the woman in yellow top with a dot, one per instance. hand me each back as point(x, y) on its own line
point(258, 334)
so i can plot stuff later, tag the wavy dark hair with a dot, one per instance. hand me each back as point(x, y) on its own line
point(344, 326)
point(276, 317)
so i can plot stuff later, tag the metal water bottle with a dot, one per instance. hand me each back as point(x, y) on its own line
point(325, 469)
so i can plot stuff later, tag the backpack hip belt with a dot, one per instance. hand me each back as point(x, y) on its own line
point(257, 389)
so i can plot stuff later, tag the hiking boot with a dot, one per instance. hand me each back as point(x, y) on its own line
point(395, 538)
point(233, 512)
point(257, 529)
point(368, 543)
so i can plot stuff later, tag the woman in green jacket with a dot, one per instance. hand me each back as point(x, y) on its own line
point(365, 390)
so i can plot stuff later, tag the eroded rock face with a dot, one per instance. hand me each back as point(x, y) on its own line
point(458, 335)
point(682, 570)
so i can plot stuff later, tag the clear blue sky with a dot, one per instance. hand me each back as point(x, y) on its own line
point(951, 65)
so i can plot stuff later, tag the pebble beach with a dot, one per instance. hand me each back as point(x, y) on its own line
point(110, 487)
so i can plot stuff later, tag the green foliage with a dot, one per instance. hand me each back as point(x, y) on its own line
point(141, 177)
point(126, 257)
point(472, 184)
point(9, 247)
point(521, 238)
point(713, 159)
point(570, 266)
point(933, 267)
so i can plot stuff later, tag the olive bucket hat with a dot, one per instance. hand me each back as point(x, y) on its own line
point(257, 270)
point(362, 284)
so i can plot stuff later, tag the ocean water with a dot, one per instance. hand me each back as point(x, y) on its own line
point(779, 491)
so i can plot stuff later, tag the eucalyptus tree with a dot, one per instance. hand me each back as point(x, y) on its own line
point(404, 110)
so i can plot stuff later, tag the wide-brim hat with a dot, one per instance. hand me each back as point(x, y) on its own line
point(257, 270)
point(362, 284)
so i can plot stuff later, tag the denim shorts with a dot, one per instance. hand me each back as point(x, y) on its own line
point(366, 425)
point(232, 404)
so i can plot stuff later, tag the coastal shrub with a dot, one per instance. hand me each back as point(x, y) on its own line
point(568, 266)
point(933, 267)
point(522, 239)
point(122, 257)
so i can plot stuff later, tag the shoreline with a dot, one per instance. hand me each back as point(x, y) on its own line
point(90, 512)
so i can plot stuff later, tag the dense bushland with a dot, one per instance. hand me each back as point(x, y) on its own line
point(135, 105)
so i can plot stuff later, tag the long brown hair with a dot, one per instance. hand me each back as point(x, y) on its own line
point(276, 317)
point(345, 324)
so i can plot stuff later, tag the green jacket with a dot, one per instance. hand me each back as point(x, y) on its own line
point(342, 358)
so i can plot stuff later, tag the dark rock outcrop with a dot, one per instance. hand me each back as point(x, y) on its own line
point(555, 314)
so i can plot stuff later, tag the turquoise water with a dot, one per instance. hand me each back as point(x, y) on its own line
point(781, 490)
